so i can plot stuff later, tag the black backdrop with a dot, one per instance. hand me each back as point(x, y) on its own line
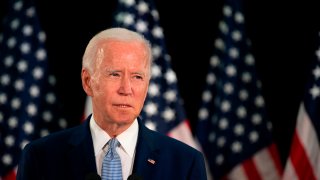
point(283, 35)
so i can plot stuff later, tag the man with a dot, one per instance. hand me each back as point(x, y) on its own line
point(115, 73)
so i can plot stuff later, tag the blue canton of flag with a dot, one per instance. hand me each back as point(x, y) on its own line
point(163, 109)
point(27, 98)
point(233, 128)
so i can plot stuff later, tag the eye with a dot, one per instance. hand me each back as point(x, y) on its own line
point(115, 74)
point(137, 77)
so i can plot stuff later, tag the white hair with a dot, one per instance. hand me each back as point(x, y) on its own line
point(90, 55)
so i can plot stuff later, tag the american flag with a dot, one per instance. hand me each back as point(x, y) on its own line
point(28, 102)
point(234, 129)
point(304, 157)
point(163, 110)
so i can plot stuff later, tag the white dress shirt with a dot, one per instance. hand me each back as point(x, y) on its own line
point(126, 150)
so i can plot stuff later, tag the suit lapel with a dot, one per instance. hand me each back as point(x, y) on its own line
point(147, 152)
point(81, 154)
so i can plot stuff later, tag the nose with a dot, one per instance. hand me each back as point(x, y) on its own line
point(125, 86)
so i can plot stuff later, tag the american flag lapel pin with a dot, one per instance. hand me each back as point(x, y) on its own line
point(151, 161)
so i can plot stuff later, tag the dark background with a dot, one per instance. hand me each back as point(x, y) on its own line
point(283, 35)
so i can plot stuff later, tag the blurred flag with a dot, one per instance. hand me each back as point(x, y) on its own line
point(233, 128)
point(28, 105)
point(304, 157)
point(163, 110)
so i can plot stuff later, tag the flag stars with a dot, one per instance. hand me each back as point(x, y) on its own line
point(206, 96)
point(63, 123)
point(42, 36)
point(233, 53)
point(15, 103)
point(153, 90)
point(316, 72)
point(27, 30)
point(50, 98)
point(156, 71)
point(318, 53)
point(249, 59)
point(221, 141)
point(219, 44)
point(22, 66)
point(34, 91)
point(243, 94)
point(203, 114)
point(223, 124)
point(30, 12)
point(256, 119)
point(47, 116)
point(223, 27)
point(157, 32)
point(151, 109)
point(239, 129)
point(168, 115)
point(228, 88)
point(19, 85)
point(41, 54)
point(5, 79)
point(9, 140)
point(32, 109)
point(37, 73)
point(246, 77)
point(17, 5)
point(7, 159)
point(14, 24)
point(225, 106)
point(170, 96)
point(141, 26)
point(231, 70)
point(8, 61)
point(214, 61)
point(227, 11)
point(241, 112)
point(212, 137)
point(142, 7)
point(236, 35)
point(156, 51)
point(253, 136)
point(3, 98)
point(25, 47)
point(259, 101)
point(150, 125)
point(236, 147)
point(128, 3)
point(219, 159)
point(126, 18)
point(170, 77)
point(239, 18)
point(28, 127)
point(211, 78)
point(13, 122)
point(11, 42)
point(315, 91)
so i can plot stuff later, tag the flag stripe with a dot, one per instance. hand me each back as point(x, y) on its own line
point(251, 170)
point(300, 157)
point(182, 133)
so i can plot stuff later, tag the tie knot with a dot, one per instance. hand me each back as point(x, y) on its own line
point(113, 143)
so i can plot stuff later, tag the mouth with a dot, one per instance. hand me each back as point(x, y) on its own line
point(122, 105)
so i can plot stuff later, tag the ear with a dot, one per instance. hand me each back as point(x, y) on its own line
point(86, 81)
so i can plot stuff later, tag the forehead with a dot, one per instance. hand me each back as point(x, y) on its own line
point(123, 51)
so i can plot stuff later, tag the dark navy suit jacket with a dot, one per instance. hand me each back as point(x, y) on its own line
point(69, 155)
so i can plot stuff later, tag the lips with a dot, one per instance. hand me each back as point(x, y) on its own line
point(123, 105)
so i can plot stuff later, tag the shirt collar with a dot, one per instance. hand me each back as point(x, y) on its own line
point(127, 139)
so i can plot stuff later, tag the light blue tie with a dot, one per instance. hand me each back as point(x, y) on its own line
point(111, 165)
